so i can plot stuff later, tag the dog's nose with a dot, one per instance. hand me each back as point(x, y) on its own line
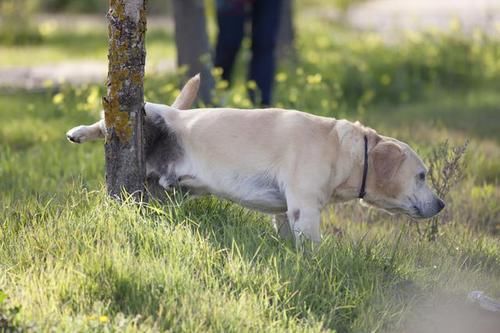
point(440, 204)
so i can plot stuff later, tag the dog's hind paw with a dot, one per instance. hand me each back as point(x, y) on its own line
point(77, 134)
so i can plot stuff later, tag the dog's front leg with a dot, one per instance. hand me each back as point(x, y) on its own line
point(81, 134)
point(304, 216)
point(305, 223)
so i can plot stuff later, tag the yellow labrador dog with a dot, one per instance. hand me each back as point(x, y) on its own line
point(283, 162)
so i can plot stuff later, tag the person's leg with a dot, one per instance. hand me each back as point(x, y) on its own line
point(231, 22)
point(265, 24)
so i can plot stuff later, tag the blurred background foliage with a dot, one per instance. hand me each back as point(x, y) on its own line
point(156, 6)
point(87, 6)
point(18, 26)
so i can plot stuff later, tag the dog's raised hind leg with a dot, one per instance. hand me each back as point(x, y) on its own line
point(84, 133)
point(96, 131)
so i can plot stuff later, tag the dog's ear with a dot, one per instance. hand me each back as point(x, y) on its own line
point(373, 137)
point(387, 158)
point(370, 133)
point(188, 94)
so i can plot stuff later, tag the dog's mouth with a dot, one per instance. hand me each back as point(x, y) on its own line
point(411, 210)
point(415, 212)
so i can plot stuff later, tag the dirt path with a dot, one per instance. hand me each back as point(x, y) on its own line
point(35, 77)
point(74, 73)
point(389, 16)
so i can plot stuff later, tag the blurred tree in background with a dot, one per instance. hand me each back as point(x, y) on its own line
point(286, 35)
point(193, 46)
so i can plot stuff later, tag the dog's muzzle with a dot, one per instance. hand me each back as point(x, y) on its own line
point(427, 210)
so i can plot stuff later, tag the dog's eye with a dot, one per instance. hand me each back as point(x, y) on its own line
point(421, 176)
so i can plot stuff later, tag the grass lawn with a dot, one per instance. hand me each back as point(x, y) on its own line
point(72, 260)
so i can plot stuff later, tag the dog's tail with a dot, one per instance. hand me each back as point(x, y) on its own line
point(188, 93)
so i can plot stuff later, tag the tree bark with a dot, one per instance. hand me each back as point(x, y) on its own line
point(123, 105)
point(286, 33)
point(193, 47)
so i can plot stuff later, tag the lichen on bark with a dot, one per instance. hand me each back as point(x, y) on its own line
point(126, 66)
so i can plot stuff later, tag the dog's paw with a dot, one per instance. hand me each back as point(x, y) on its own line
point(77, 134)
point(167, 182)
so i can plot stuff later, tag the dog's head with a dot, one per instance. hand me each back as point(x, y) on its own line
point(397, 181)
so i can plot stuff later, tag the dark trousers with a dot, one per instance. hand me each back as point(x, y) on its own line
point(264, 16)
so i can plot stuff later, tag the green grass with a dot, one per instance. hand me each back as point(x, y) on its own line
point(74, 260)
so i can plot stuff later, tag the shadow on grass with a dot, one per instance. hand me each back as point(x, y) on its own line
point(332, 283)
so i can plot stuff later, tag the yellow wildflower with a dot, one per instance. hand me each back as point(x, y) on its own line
point(314, 79)
point(237, 98)
point(251, 85)
point(58, 98)
point(281, 77)
point(217, 71)
point(223, 84)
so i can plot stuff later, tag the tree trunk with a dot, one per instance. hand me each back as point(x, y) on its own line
point(193, 47)
point(123, 105)
point(286, 33)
